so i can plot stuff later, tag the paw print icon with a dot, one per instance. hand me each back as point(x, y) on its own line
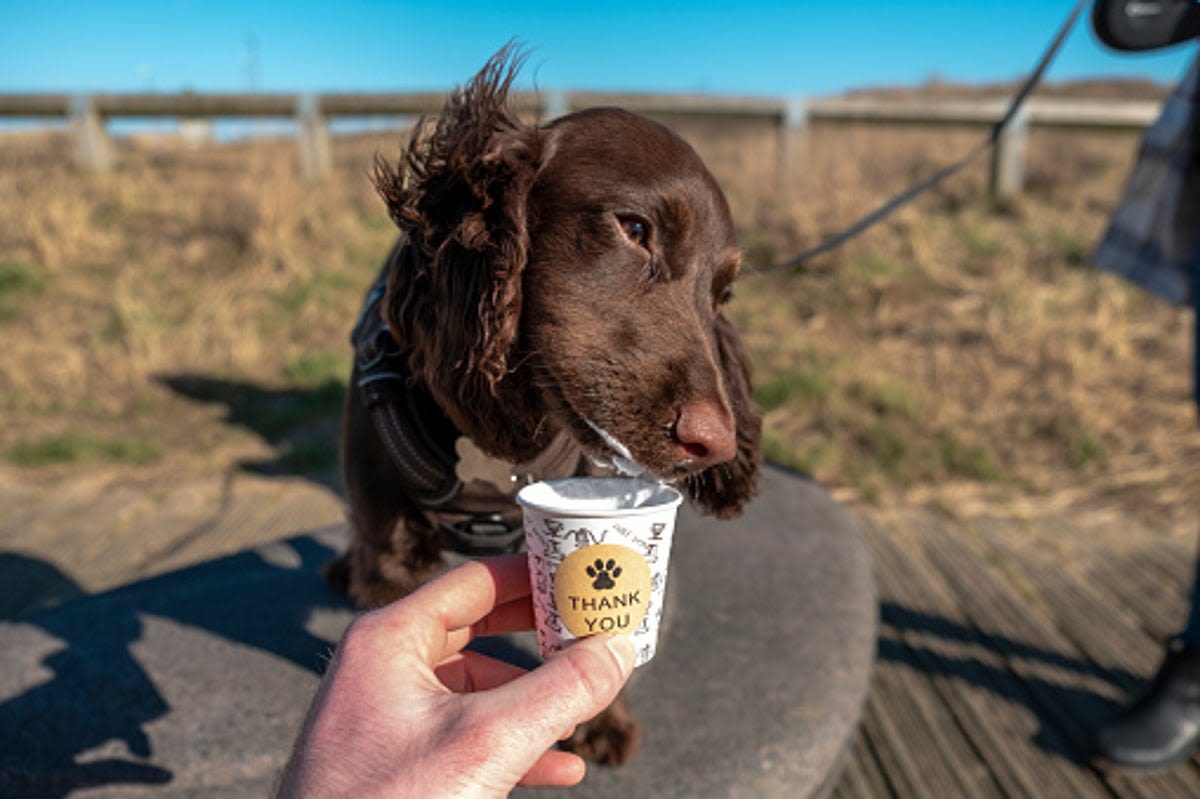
point(604, 574)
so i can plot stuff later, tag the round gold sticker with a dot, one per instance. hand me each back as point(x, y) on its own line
point(603, 588)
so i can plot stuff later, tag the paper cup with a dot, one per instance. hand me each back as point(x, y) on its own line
point(598, 555)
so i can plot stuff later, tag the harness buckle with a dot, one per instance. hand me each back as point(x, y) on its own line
point(487, 534)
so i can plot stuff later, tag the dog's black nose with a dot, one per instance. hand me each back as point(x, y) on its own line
point(705, 435)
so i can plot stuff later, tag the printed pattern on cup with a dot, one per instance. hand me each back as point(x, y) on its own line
point(552, 541)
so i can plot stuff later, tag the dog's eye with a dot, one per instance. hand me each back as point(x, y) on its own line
point(721, 296)
point(636, 230)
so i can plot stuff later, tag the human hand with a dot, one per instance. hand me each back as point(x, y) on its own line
point(405, 711)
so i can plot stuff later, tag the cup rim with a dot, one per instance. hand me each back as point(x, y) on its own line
point(665, 498)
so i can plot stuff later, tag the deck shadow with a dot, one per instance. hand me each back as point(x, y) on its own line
point(1066, 709)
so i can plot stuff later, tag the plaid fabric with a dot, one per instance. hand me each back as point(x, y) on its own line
point(1151, 238)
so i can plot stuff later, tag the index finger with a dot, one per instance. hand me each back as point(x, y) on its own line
point(466, 594)
point(460, 598)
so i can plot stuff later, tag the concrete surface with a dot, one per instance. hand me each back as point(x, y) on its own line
point(194, 683)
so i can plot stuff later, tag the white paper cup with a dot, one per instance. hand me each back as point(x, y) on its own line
point(598, 556)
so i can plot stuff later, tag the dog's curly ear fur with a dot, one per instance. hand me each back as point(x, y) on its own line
point(459, 194)
point(724, 489)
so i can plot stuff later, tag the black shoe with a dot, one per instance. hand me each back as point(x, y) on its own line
point(1161, 729)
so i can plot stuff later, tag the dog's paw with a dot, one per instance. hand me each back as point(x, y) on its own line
point(610, 739)
point(374, 580)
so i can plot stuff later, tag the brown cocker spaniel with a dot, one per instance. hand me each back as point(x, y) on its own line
point(553, 307)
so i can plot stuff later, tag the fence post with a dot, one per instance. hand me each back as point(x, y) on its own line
point(791, 136)
point(93, 151)
point(312, 137)
point(1008, 159)
point(557, 104)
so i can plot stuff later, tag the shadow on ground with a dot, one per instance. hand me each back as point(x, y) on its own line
point(301, 424)
point(96, 691)
point(31, 584)
point(1067, 716)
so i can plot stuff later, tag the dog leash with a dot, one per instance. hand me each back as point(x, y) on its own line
point(906, 196)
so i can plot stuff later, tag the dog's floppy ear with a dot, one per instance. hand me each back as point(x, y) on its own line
point(724, 489)
point(459, 194)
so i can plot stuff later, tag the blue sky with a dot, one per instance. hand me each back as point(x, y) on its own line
point(747, 47)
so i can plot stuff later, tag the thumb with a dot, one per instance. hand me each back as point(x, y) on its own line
point(571, 687)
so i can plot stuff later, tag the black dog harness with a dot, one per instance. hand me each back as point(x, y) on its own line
point(473, 511)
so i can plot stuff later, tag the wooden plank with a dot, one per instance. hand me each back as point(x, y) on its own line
point(769, 108)
point(988, 703)
point(1033, 675)
point(895, 762)
point(187, 104)
point(381, 104)
point(1062, 112)
point(35, 105)
point(908, 111)
point(1026, 641)
point(1157, 604)
point(916, 718)
point(1109, 635)
point(1086, 617)
point(863, 777)
point(1174, 566)
point(1084, 113)
point(1065, 112)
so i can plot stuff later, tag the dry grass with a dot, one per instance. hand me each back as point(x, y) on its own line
point(969, 355)
point(958, 354)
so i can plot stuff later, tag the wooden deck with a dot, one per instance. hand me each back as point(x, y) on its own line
point(1002, 645)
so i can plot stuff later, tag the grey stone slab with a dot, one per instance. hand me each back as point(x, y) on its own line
point(189, 684)
point(195, 683)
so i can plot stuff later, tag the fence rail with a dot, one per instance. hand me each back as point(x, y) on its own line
point(89, 114)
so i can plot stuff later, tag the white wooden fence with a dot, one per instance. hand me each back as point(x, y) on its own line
point(89, 114)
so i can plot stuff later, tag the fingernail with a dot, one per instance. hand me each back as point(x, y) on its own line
point(623, 651)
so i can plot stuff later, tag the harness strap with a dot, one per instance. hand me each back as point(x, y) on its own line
point(420, 438)
point(388, 391)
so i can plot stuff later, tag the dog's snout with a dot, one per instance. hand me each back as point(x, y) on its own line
point(704, 435)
